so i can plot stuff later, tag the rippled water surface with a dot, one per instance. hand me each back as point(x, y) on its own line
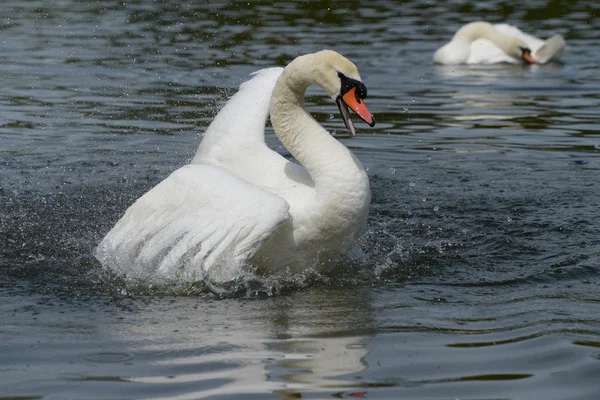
point(478, 276)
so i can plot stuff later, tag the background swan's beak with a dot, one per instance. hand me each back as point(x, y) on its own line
point(356, 104)
point(528, 57)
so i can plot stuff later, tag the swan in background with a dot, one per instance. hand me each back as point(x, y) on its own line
point(484, 43)
point(241, 205)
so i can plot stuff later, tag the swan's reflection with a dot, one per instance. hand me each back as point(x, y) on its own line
point(319, 364)
point(489, 74)
point(495, 96)
point(311, 341)
point(325, 345)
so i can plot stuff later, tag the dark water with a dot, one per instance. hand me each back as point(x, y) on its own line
point(478, 277)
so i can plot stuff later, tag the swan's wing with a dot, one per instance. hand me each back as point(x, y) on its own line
point(201, 222)
point(532, 42)
point(484, 51)
point(242, 120)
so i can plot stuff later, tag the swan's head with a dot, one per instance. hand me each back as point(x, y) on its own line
point(526, 55)
point(341, 80)
point(519, 50)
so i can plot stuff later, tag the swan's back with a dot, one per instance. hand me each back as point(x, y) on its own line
point(532, 42)
point(484, 51)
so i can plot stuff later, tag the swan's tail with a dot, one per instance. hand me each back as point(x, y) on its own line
point(242, 119)
point(551, 49)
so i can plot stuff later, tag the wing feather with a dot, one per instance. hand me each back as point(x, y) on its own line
point(201, 222)
point(242, 120)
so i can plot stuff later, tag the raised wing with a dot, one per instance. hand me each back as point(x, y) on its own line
point(201, 222)
point(242, 120)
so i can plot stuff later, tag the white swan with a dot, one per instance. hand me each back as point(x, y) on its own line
point(240, 204)
point(484, 43)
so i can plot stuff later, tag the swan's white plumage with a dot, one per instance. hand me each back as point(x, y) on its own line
point(199, 215)
point(235, 140)
point(240, 203)
point(486, 49)
point(241, 121)
point(202, 214)
point(544, 51)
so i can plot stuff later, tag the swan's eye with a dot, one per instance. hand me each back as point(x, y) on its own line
point(361, 90)
point(348, 83)
point(524, 50)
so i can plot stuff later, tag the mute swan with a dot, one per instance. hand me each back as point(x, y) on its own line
point(484, 43)
point(240, 204)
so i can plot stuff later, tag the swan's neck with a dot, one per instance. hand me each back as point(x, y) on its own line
point(332, 167)
point(483, 30)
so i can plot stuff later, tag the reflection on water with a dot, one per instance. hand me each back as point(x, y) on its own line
point(477, 276)
point(188, 349)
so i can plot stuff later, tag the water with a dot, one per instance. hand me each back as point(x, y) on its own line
point(478, 277)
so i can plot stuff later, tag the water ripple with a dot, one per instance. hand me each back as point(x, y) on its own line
point(477, 276)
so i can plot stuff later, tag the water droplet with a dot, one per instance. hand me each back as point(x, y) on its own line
point(436, 209)
point(331, 116)
point(392, 170)
point(412, 184)
point(424, 199)
point(509, 219)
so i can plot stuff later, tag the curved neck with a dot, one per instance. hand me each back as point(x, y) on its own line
point(328, 162)
point(483, 30)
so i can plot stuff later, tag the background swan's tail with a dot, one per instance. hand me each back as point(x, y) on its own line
point(242, 119)
point(551, 49)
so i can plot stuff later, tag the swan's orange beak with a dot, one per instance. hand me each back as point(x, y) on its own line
point(528, 57)
point(356, 104)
